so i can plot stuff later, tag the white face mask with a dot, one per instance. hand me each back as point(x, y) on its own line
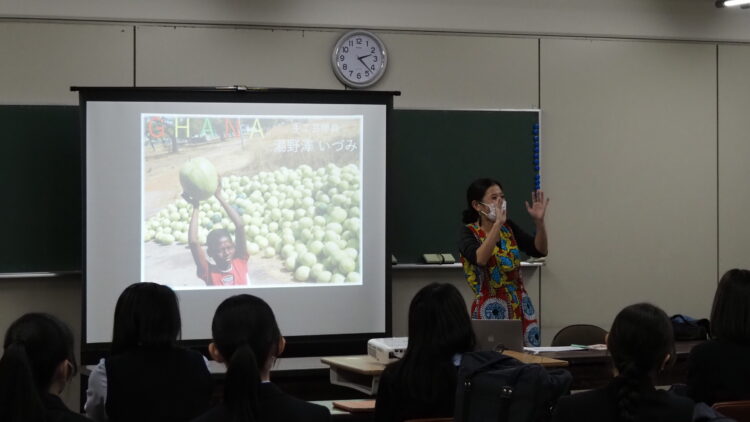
point(492, 215)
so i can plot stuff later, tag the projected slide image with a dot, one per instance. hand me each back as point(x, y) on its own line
point(251, 201)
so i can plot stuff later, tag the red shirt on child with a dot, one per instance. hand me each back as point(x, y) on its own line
point(236, 275)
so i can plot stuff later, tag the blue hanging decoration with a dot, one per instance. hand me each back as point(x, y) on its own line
point(536, 157)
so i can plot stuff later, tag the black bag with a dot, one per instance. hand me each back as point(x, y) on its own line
point(689, 329)
point(495, 387)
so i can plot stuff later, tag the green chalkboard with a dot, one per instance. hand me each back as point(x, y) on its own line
point(435, 155)
point(40, 178)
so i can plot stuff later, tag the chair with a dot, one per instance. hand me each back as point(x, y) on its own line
point(584, 334)
point(737, 410)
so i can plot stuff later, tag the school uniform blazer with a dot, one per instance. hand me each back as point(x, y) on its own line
point(719, 371)
point(393, 403)
point(274, 405)
point(601, 405)
point(55, 410)
point(160, 385)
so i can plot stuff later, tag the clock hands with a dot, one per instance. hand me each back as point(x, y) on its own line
point(362, 61)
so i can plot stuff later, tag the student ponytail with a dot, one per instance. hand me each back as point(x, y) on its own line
point(629, 392)
point(241, 386)
point(35, 345)
point(246, 334)
point(19, 397)
point(640, 341)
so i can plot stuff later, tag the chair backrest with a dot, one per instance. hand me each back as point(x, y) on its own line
point(585, 334)
point(737, 410)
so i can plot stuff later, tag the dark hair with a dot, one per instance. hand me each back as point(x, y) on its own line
point(245, 331)
point(35, 345)
point(730, 314)
point(476, 192)
point(146, 315)
point(439, 327)
point(640, 339)
point(214, 236)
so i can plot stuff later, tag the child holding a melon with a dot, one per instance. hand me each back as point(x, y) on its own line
point(229, 268)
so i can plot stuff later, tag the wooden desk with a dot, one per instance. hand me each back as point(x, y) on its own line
point(545, 361)
point(593, 368)
point(362, 372)
point(342, 415)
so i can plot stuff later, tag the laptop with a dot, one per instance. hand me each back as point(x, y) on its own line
point(498, 334)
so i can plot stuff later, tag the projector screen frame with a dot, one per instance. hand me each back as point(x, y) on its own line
point(317, 345)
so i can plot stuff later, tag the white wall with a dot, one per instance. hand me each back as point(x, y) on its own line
point(630, 165)
point(734, 150)
point(632, 161)
point(683, 19)
point(462, 66)
point(180, 56)
point(42, 61)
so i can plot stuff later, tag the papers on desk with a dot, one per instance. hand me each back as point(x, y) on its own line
point(536, 350)
point(597, 347)
point(571, 348)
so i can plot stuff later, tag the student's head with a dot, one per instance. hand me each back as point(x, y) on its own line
point(146, 315)
point(439, 323)
point(480, 194)
point(641, 343)
point(439, 328)
point(220, 246)
point(730, 314)
point(38, 359)
point(247, 338)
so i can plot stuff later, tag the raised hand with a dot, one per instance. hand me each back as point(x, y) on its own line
point(217, 194)
point(502, 213)
point(538, 206)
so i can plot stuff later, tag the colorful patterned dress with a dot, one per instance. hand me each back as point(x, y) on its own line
point(498, 287)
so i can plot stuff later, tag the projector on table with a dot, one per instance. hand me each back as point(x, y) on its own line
point(388, 349)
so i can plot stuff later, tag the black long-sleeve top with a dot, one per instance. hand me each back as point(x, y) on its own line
point(468, 243)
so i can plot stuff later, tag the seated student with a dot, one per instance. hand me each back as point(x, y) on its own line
point(641, 343)
point(147, 377)
point(719, 369)
point(36, 366)
point(423, 383)
point(247, 338)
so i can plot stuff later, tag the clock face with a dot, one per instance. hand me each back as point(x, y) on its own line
point(359, 59)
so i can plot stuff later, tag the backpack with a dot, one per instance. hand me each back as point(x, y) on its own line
point(495, 387)
point(686, 328)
